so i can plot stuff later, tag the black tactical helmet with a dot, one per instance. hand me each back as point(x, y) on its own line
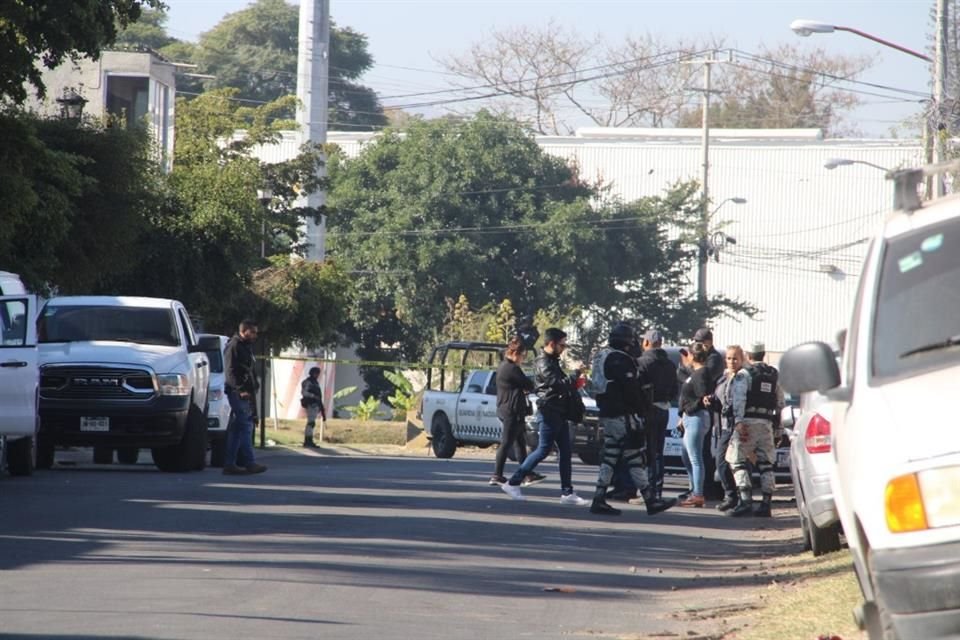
point(622, 336)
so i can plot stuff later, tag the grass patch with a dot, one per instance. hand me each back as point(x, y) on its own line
point(338, 431)
point(811, 597)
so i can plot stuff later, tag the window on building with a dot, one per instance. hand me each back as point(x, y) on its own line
point(128, 99)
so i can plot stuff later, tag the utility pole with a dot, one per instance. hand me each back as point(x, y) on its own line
point(313, 78)
point(703, 228)
point(938, 126)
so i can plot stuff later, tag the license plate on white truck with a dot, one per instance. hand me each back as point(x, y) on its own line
point(98, 423)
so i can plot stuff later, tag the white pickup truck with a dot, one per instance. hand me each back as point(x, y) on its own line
point(459, 406)
point(123, 373)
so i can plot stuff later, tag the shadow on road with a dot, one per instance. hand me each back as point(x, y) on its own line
point(413, 524)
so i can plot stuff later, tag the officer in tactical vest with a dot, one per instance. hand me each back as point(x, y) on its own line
point(755, 398)
point(621, 401)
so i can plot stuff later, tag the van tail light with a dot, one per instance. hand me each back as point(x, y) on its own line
point(817, 437)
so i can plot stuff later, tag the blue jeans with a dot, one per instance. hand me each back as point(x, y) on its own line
point(695, 429)
point(239, 449)
point(553, 430)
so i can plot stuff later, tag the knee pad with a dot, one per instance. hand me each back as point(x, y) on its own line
point(605, 476)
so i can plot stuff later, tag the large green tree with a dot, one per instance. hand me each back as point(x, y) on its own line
point(149, 30)
point(52, 31)
point(477, 208)
point(77, 197)
point(255, 51)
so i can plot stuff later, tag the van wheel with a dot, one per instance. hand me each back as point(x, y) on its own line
point(443, 443)
point(825, 540)
point(20, 457)
point(102, 455)
point(128, 455)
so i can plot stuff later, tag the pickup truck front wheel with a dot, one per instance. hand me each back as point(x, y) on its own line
point(190, 454)
point(444, 445)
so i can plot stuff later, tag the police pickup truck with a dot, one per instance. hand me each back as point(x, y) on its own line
point(459, 405)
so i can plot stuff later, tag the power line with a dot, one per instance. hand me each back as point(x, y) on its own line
point(824, 74)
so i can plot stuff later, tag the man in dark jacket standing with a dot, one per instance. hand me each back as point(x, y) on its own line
point(621, 402)
point(716, 363)
point(657, 371)
point(555, 391)
point(241, 389)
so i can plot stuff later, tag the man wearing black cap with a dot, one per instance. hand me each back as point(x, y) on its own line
point(658, 373)
point(715, 360)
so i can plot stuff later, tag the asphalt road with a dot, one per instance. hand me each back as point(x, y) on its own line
point(360, 547)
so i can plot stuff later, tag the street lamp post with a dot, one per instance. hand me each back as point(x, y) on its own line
point(704, 245)
point(264, 196)
point(808, 27)
point(833, 163)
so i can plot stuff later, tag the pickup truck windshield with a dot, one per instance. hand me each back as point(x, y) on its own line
point(915, 319)
point(122, 324)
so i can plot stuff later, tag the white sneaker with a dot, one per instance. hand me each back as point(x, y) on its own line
point(512, 491)
point(574, 499)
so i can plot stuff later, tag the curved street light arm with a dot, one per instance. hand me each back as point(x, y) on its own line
point(886, 43)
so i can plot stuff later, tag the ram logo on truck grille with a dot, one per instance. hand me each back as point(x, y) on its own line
point(96, 382)
point(87, 382)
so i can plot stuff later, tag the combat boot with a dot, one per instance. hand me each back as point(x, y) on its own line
point(657, 505)
point(600, 507)
point(745, 508)
point(763, 509)
point(729, 502)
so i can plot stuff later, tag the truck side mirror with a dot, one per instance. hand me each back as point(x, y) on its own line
point(206, 343)
point(809, 367)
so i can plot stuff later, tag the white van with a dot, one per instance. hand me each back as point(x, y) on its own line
point(19, 375)
point(893, 425)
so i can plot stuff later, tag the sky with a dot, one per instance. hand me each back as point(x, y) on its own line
point(406, 37)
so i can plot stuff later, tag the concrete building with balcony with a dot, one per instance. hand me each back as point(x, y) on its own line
point(132, 86)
